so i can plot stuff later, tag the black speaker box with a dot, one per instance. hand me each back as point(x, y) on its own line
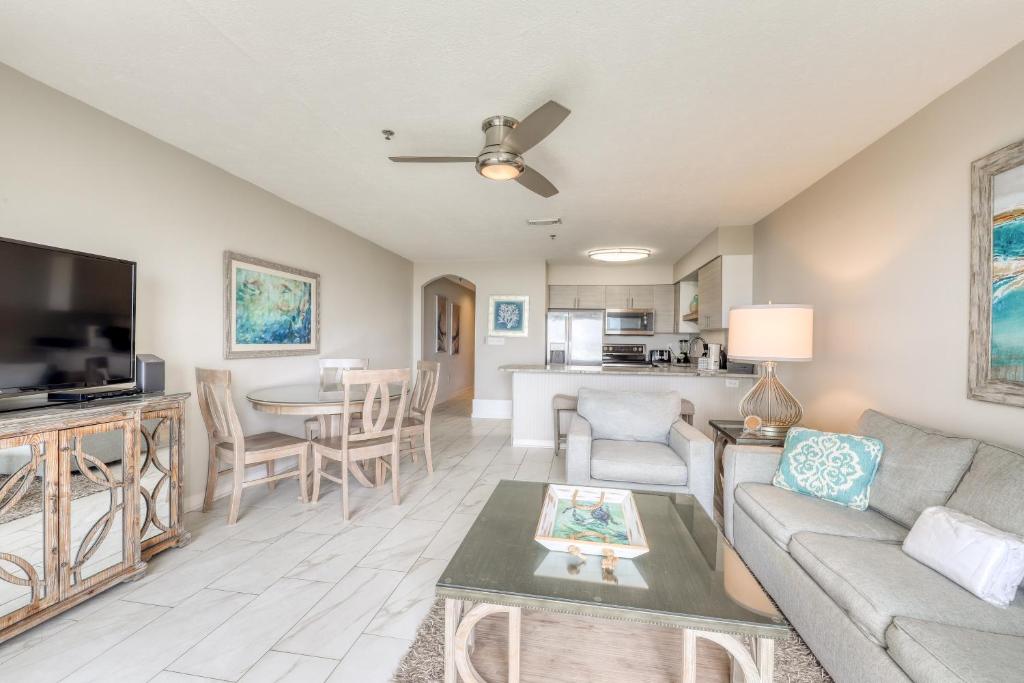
point(149, 373)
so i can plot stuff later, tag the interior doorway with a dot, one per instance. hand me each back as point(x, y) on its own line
point(449, 331)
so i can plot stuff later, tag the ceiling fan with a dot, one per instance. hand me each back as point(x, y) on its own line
point(505, 141)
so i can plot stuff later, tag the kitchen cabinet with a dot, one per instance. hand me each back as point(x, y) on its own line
point(665, 306)
point(562, 296)
point(629, 296)
point(590, 296)
point(722, 283)
point(576, 296)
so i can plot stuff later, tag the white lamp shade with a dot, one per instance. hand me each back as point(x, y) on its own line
point(773, 332)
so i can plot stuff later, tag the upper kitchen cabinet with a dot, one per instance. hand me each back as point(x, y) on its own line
point(629, 296)
point(725, 282)
point(590, 296)
point(562, 296)
point(573, 296)
point(665, 306)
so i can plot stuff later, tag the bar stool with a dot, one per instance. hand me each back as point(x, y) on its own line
point(559, 403)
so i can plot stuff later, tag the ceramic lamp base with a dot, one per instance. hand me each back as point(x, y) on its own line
point(771, 401)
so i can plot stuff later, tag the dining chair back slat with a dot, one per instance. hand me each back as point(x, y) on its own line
point(376, 404)
point(213, 389)
point(424, 392)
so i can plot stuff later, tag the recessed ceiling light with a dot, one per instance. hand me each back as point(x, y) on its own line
point(543, 221)
point(619, 254)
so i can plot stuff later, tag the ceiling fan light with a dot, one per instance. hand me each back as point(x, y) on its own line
point(619, 254)
point(500, 165)
point(500, 171)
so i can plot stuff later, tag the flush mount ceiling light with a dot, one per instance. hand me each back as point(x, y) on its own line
point(619, 254)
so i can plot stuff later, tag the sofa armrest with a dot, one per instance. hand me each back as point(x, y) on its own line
point(698, 452)
point(755, 464)
point(577, 451)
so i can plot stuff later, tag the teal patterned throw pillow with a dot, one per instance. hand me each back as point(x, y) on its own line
point(835, 467)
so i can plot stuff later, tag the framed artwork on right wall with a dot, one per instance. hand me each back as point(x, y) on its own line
point(996, 342)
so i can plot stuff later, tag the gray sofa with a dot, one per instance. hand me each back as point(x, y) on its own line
point(867, 610)
point(638, 441)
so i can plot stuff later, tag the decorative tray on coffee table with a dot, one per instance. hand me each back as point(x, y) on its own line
point(591, 519)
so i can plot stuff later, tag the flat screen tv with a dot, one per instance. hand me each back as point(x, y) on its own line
point(67, 319)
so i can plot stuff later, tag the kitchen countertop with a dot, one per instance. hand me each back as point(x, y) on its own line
point(680, 370)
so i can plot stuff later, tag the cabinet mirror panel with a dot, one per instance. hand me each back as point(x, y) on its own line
point(26, 548)
point(96, 489)
point(158, 443)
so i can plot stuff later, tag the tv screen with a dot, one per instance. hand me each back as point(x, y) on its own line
point(67, 319)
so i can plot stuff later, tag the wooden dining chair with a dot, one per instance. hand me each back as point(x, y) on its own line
point(331, 370)
point(375, 437)
point(416, 425)
point(228, 442)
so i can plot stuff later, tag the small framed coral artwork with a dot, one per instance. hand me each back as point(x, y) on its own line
point(996, 367)
point(508, 316)
point(269, 309)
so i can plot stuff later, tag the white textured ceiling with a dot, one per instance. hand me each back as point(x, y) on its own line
point(686, 115)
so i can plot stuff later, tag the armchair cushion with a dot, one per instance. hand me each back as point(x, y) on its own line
point(640, 462)
point(629, 416)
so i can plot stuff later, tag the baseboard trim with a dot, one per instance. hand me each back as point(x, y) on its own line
point(532, 443)
point(489, 408)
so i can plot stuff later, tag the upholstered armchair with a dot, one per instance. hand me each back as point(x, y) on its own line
point(638, 441)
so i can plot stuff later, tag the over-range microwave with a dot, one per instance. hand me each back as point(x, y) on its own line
point(629, 321)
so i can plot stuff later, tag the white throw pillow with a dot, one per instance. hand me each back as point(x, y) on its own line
point(984, 560)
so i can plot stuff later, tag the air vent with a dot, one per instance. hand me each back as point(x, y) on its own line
point(543, 221)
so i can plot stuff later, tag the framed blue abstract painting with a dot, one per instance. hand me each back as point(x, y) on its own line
point(508, 316)
point(996, 367)
point(269, 309)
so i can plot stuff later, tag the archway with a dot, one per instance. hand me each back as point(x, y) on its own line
point(447, 330)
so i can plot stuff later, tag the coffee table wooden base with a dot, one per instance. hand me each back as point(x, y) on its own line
point(461, 619)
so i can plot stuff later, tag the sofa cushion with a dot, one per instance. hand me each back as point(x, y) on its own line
point(640, 462)
point(873, 582)
point(941, 653)
point(781, 513)
point(993, 489)
point(920, 467)
point(629, 415)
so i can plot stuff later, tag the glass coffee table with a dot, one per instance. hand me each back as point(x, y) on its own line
point(691, 579)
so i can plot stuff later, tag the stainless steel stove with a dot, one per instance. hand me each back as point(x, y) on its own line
point(624, 356)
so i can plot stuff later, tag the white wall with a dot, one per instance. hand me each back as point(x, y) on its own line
point(492, 388)
point(727, 239)
point(456, 371)
point(880, 247)
point(73, 177)
point(611, 274)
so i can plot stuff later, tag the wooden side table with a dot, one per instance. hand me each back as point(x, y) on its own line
point(731, 432)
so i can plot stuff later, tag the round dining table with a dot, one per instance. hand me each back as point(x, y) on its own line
point(325, 402)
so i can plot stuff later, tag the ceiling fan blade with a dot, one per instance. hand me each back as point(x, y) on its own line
point(535, 182)
point(535, 127)
point(431, 160)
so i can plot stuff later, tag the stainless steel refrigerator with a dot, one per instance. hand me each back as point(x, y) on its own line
point(575, 337)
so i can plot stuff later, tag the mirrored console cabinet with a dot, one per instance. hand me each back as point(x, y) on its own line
point(88, 493)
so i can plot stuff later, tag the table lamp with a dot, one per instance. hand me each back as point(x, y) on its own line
point(768, 334)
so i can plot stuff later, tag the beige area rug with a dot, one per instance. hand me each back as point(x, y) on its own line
point(32, 501)
point(559, 647)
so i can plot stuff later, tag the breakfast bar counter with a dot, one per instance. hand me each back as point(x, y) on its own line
point(715, 395)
